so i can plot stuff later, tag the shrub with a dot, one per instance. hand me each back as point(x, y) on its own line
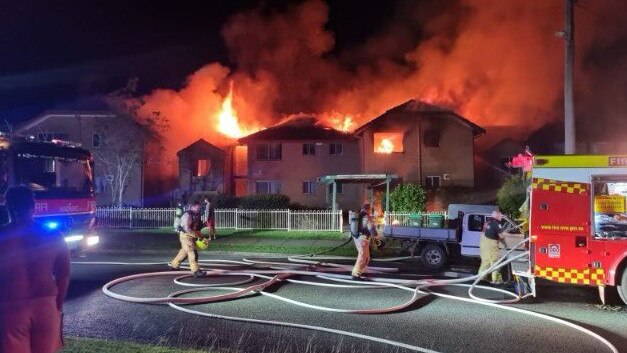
point(511, 196)
point(265, 202)
point(218, 200)
point(408, 198)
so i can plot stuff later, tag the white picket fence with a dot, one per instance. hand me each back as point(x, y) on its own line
point(235, 218)
point(411, 219)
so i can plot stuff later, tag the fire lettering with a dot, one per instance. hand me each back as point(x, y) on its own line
point(617, 161)
point(41, 207)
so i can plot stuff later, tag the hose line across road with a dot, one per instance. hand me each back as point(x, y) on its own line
point(229, 281)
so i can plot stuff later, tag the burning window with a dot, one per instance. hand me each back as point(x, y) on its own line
point(202, 167)
point(388, 142)
point(241, 160)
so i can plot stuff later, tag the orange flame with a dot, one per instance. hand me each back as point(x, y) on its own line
point(228, 123)
point(385, 146)
point(388, 142)
point(338, 121)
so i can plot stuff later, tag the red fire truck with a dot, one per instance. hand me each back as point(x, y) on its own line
point(578, 220)
point(61, 176)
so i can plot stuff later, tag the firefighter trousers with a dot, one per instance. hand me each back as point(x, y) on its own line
point(489, 252)
point(363, 254)
point(188, 250)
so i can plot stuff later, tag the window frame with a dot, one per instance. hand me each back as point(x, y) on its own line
point(271, 149)
point(309, 149)
point(310, 187)
point(274, 187)
point(100, 140)
point(333, 148)
point(430, 185)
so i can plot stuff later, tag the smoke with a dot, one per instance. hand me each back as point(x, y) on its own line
point(495, 62)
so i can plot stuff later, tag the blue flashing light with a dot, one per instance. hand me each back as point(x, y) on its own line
point(52, 225)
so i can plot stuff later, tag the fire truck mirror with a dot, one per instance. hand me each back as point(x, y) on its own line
point(544, 206)
point(580, 241)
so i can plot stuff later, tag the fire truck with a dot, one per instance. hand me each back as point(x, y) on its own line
point(60, 174)
point(577, 220)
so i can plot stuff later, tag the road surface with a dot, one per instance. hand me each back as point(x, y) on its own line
point(433, 323)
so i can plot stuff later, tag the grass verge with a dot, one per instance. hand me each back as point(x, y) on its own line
point(88, 345)
point(347, 250)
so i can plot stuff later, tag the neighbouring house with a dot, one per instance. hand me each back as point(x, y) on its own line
point(421, 143)
point(117, 143)
point(288, 159)
point(203, 167)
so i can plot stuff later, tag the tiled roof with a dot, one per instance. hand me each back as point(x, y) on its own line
point(417, 109)
point(298, 129)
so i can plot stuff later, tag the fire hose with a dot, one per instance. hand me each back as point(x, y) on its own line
point(310, 265)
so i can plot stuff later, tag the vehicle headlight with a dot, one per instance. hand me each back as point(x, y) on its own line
point(93, 240)
point(73, 238)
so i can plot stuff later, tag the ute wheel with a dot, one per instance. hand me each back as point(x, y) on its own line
point(433, 256)
point(622, 286)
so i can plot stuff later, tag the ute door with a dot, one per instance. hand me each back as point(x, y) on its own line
point(471, 233)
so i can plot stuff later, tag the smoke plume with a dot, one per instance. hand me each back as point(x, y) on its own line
point(494, 62)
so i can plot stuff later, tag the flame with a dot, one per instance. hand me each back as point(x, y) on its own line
point(385, 146)
point(339, 121)
point(388, 142)
point(228, 123)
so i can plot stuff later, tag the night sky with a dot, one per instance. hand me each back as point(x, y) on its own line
point(55, 53)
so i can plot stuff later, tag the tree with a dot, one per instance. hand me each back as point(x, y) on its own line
point(408, 198)
point(128, 141)
point(511, 195)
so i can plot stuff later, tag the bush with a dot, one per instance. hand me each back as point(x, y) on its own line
point(217, 200)
point(408, 198)
point(265, 202)
point(511, 196)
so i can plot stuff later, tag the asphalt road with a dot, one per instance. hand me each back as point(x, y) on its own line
point(439, 324)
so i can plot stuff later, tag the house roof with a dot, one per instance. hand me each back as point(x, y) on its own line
point(413, 109)
point(62, 114)
point(201, 146)
point(298, 129)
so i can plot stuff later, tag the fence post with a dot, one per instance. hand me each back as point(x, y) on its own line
point(289, 214)
point(130, 216)
point(236, 217)
point(341, 221)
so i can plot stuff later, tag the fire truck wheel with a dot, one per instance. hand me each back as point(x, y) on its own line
point(622, 286)
point(433, 256)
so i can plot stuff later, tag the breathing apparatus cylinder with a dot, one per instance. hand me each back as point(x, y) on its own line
point(353, 223)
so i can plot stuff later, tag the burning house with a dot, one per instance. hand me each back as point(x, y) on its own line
point(421, 143)
point(289, 157)
point(203, 167)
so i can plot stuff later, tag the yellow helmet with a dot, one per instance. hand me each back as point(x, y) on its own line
point(202, 243)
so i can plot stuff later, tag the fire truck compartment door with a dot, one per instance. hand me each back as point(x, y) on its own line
point(560, 219)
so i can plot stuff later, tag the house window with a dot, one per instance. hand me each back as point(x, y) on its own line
point(267, 187)
point(97, 140)
point(336, 148)
point(309, 149)
point(202, 167)
point(433, 182)
point(432, 138)
point(339, 188)
point(388, 142)
point(309, 187)
point(268, 151)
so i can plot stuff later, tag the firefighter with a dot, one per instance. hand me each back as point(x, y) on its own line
point(191, 225)
point(489, 246)
point(35, 274)
point(363, 228)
